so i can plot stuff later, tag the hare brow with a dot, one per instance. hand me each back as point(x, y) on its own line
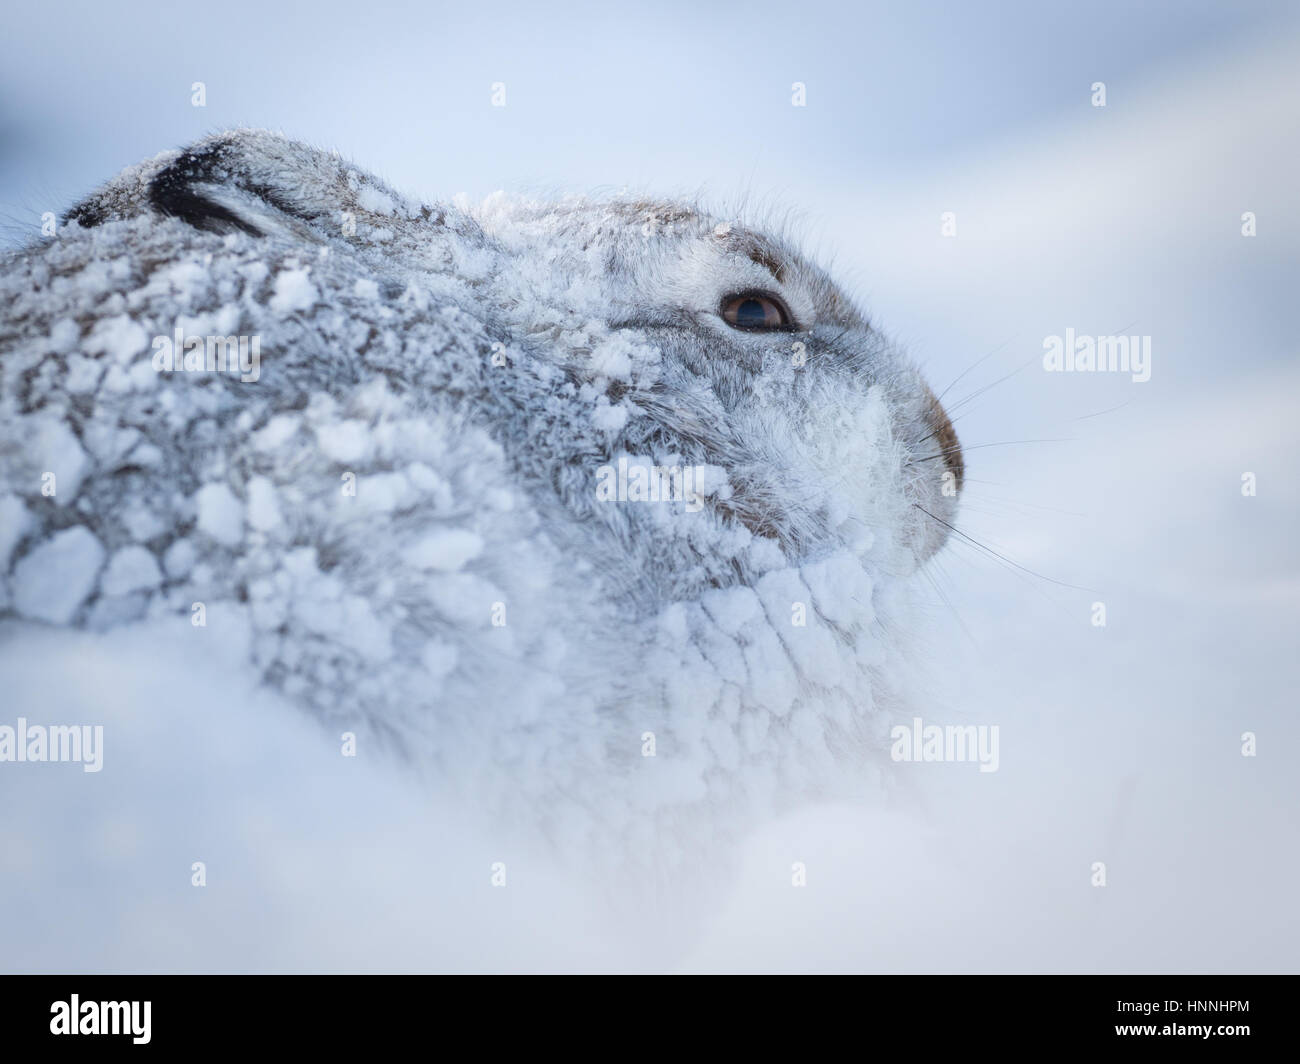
point(768, 261)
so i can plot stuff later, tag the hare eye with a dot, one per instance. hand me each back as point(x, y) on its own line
point(755, 310)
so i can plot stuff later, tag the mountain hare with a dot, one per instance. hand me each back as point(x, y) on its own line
point(599, 511)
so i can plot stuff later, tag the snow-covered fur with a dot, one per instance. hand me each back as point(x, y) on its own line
point(407, 511)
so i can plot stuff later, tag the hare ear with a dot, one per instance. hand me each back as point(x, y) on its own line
point(259, 183)
point(251, 181)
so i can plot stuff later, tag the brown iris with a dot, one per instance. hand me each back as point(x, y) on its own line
point(755, 310)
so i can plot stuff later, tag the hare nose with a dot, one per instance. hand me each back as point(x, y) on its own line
point(946, 437)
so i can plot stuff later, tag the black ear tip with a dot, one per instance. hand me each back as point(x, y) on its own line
point(175, 192)
point(86, 214)
point(241, 181)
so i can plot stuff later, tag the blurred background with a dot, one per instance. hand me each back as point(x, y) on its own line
point(1120, 744)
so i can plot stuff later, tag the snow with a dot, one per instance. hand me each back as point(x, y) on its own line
point(276, 432)
point(220, 514)
point(609, 417)
point(263, 506)
point(444, 551)
point(347, 859)
point(142, 523)
point(439, 658)
point(52, 581)
point(180, 558)
point(376, 200)
point(347, 442)
point(130, 569)
point(613, 358)
point(64, 336)
point(83, 373)
point(53, 448)
point(293, 291)
point(15, 521)
point(120, 338)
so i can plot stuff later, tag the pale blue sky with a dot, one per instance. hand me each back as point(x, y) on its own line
point(668, 96)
